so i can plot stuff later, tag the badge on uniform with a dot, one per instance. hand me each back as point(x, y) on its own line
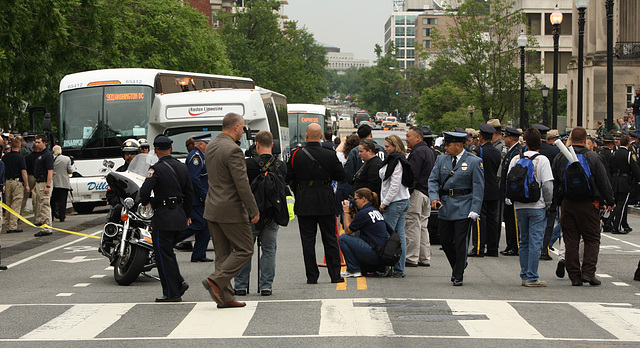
point(150, 172)
point(196, 161)
point(463, 166)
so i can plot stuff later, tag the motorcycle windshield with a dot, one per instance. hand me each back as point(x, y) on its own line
point(141, 163)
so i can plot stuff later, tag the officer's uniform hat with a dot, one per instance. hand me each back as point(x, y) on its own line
point(205, 137)
point(552, 134)
point(495, 123)
point(460, 130)
point(426, 132)
point(512, 132)
point(131, 145)
point(541, 128)
point(162, 142)
point(486, 129)
point(144, 144)
point(607, 138)
point(472, 132)
point(455, 137)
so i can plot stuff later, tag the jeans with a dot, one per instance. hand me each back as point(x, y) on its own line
point(358, 254)
point(267, 262)
point(394, 215)
point(531, 224)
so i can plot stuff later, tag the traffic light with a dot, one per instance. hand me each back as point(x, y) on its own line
point(397, 91)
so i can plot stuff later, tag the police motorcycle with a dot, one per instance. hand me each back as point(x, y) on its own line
point(128, 243)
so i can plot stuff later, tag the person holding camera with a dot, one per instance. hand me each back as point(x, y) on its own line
point(367, 176)
point(358, 252)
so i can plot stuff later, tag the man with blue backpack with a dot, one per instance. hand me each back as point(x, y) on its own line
point(530, 188)
point(582, 188)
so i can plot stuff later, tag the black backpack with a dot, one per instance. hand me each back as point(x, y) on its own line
point(392, 251)
point(578, 182)
point(269, 190)
point(521, 183)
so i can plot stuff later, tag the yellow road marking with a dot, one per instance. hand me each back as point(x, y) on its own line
point(362, 283)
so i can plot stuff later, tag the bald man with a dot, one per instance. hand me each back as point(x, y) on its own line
point(309, 172)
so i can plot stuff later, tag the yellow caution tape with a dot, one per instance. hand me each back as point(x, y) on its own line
point(7, 208)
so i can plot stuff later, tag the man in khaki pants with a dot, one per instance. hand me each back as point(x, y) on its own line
point(43, 171)
point(16, 183)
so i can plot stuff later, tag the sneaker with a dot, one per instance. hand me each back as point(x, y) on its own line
point(348, 274)
point(524, 282)
point(398, 275)
point(537, 284)
point(388, 271)
point(43, 233)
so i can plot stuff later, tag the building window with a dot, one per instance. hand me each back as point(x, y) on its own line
point(400, 54)
point(411, 20)
point(411, 31)
point(426, 31)
point(410, 42)
point(399, 31)
point(534, 24)
point(426, 43)
point(400, 20)
point(399, 42)
point(629, 94)
point(533, 61)
point(410, 54)
point(430, 21)
point(410, 63)
point(565, 27)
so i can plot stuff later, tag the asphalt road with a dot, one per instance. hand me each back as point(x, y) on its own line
point(60, 291)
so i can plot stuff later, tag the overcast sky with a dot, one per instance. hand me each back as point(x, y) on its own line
point(355, 26)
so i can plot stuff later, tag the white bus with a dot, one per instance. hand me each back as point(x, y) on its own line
point(300, 116)
point(101, 109)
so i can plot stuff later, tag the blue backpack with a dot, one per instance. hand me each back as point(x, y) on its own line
point(578, 182)
point(521, 182)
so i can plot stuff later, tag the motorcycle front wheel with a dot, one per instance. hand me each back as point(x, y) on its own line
point(128, 266)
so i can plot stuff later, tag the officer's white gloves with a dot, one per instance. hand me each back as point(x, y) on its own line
point(473, 216)
point(507, 201)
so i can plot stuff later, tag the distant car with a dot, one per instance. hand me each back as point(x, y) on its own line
point(367, 123)
point(390, 122)
point(345, 117)
point(362, 116)
point(410, 121)
point(380, 116)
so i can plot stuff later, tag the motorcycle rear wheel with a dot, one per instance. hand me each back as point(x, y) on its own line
point(128, 266)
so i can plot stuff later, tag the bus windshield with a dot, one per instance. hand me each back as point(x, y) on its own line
point(298, 123)
point(180, 136)
point(103, 117)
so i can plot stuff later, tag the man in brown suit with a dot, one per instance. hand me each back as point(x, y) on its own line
point(229, 208)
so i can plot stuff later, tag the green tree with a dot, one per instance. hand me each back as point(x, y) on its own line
point(479, 53)
point(287, 60)
point(43, 40)
point(379, 83)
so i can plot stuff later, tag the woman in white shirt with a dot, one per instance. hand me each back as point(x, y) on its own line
point(394, 196)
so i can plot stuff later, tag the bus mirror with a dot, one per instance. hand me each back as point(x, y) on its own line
point(276, 147)
point(46, 123)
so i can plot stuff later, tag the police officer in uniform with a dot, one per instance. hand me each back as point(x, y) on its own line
point(130, 149)
point(200, 181)
point(310, 171)
point(456, 187)
point(511, 138)
point(173, 194)
point(626, 174)
point(606, 155)
point(486, 231)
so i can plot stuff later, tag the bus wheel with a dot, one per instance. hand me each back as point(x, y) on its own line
point(83, 208)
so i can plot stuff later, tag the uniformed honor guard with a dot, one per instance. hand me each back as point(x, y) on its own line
point(486, 231)
point(606, 155)
point(456, 187)
point(511, 138)
point(169, 181)
point(626, 175)
point(200, 181)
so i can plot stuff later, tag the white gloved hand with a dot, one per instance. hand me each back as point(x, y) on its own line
point(473, 216)
point(507, 201)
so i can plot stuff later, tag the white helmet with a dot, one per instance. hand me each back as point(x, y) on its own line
point(131, 145)
point(144, 144)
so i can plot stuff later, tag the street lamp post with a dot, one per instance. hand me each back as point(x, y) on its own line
point(471, 109)
point(581, 5)
point(522, 43)
point(545, 115)
point(556, 20)
point(610, 64)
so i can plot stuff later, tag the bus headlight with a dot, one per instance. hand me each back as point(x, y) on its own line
point(145, 211)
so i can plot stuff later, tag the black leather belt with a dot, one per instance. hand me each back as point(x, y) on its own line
point(171, 202)
point(313, 183)
point(623, 175)
point(455, 192)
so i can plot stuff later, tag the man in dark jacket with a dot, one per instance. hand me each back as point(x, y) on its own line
point(626, 175)
point(606, 154)
point(486, 230)
point(581, 218)
point(354, 162)
point(511, 137)
point(421, 159)
point(310, 171)
point(169, 181)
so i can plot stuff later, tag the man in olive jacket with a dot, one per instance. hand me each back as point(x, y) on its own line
point(229, 209)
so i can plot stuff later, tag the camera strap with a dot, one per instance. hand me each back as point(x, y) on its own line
point(317, 163)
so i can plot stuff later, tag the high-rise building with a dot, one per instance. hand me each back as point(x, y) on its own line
point(211, 8)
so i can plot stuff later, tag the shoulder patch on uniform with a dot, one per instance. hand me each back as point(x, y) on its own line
point(150, 172)
point(195, 161)
point(481, 165)
point(633, 155)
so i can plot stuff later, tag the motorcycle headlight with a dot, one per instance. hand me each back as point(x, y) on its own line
point(129, 202)
point(145, 211)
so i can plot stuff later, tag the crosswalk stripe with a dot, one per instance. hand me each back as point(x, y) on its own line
point(621, 322)
point(207, 321)
point(83, 321)
point(504, 321)
point(3, 307)
point(341, 318)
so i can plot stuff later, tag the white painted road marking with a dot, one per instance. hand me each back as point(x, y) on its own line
point(623, 323)
point(64, 294)
point(76, 259)
point(50, 250)
point(340, 318)
point(207, 321)
point(619, 283)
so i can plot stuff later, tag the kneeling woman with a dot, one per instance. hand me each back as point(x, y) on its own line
point(358, 252)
